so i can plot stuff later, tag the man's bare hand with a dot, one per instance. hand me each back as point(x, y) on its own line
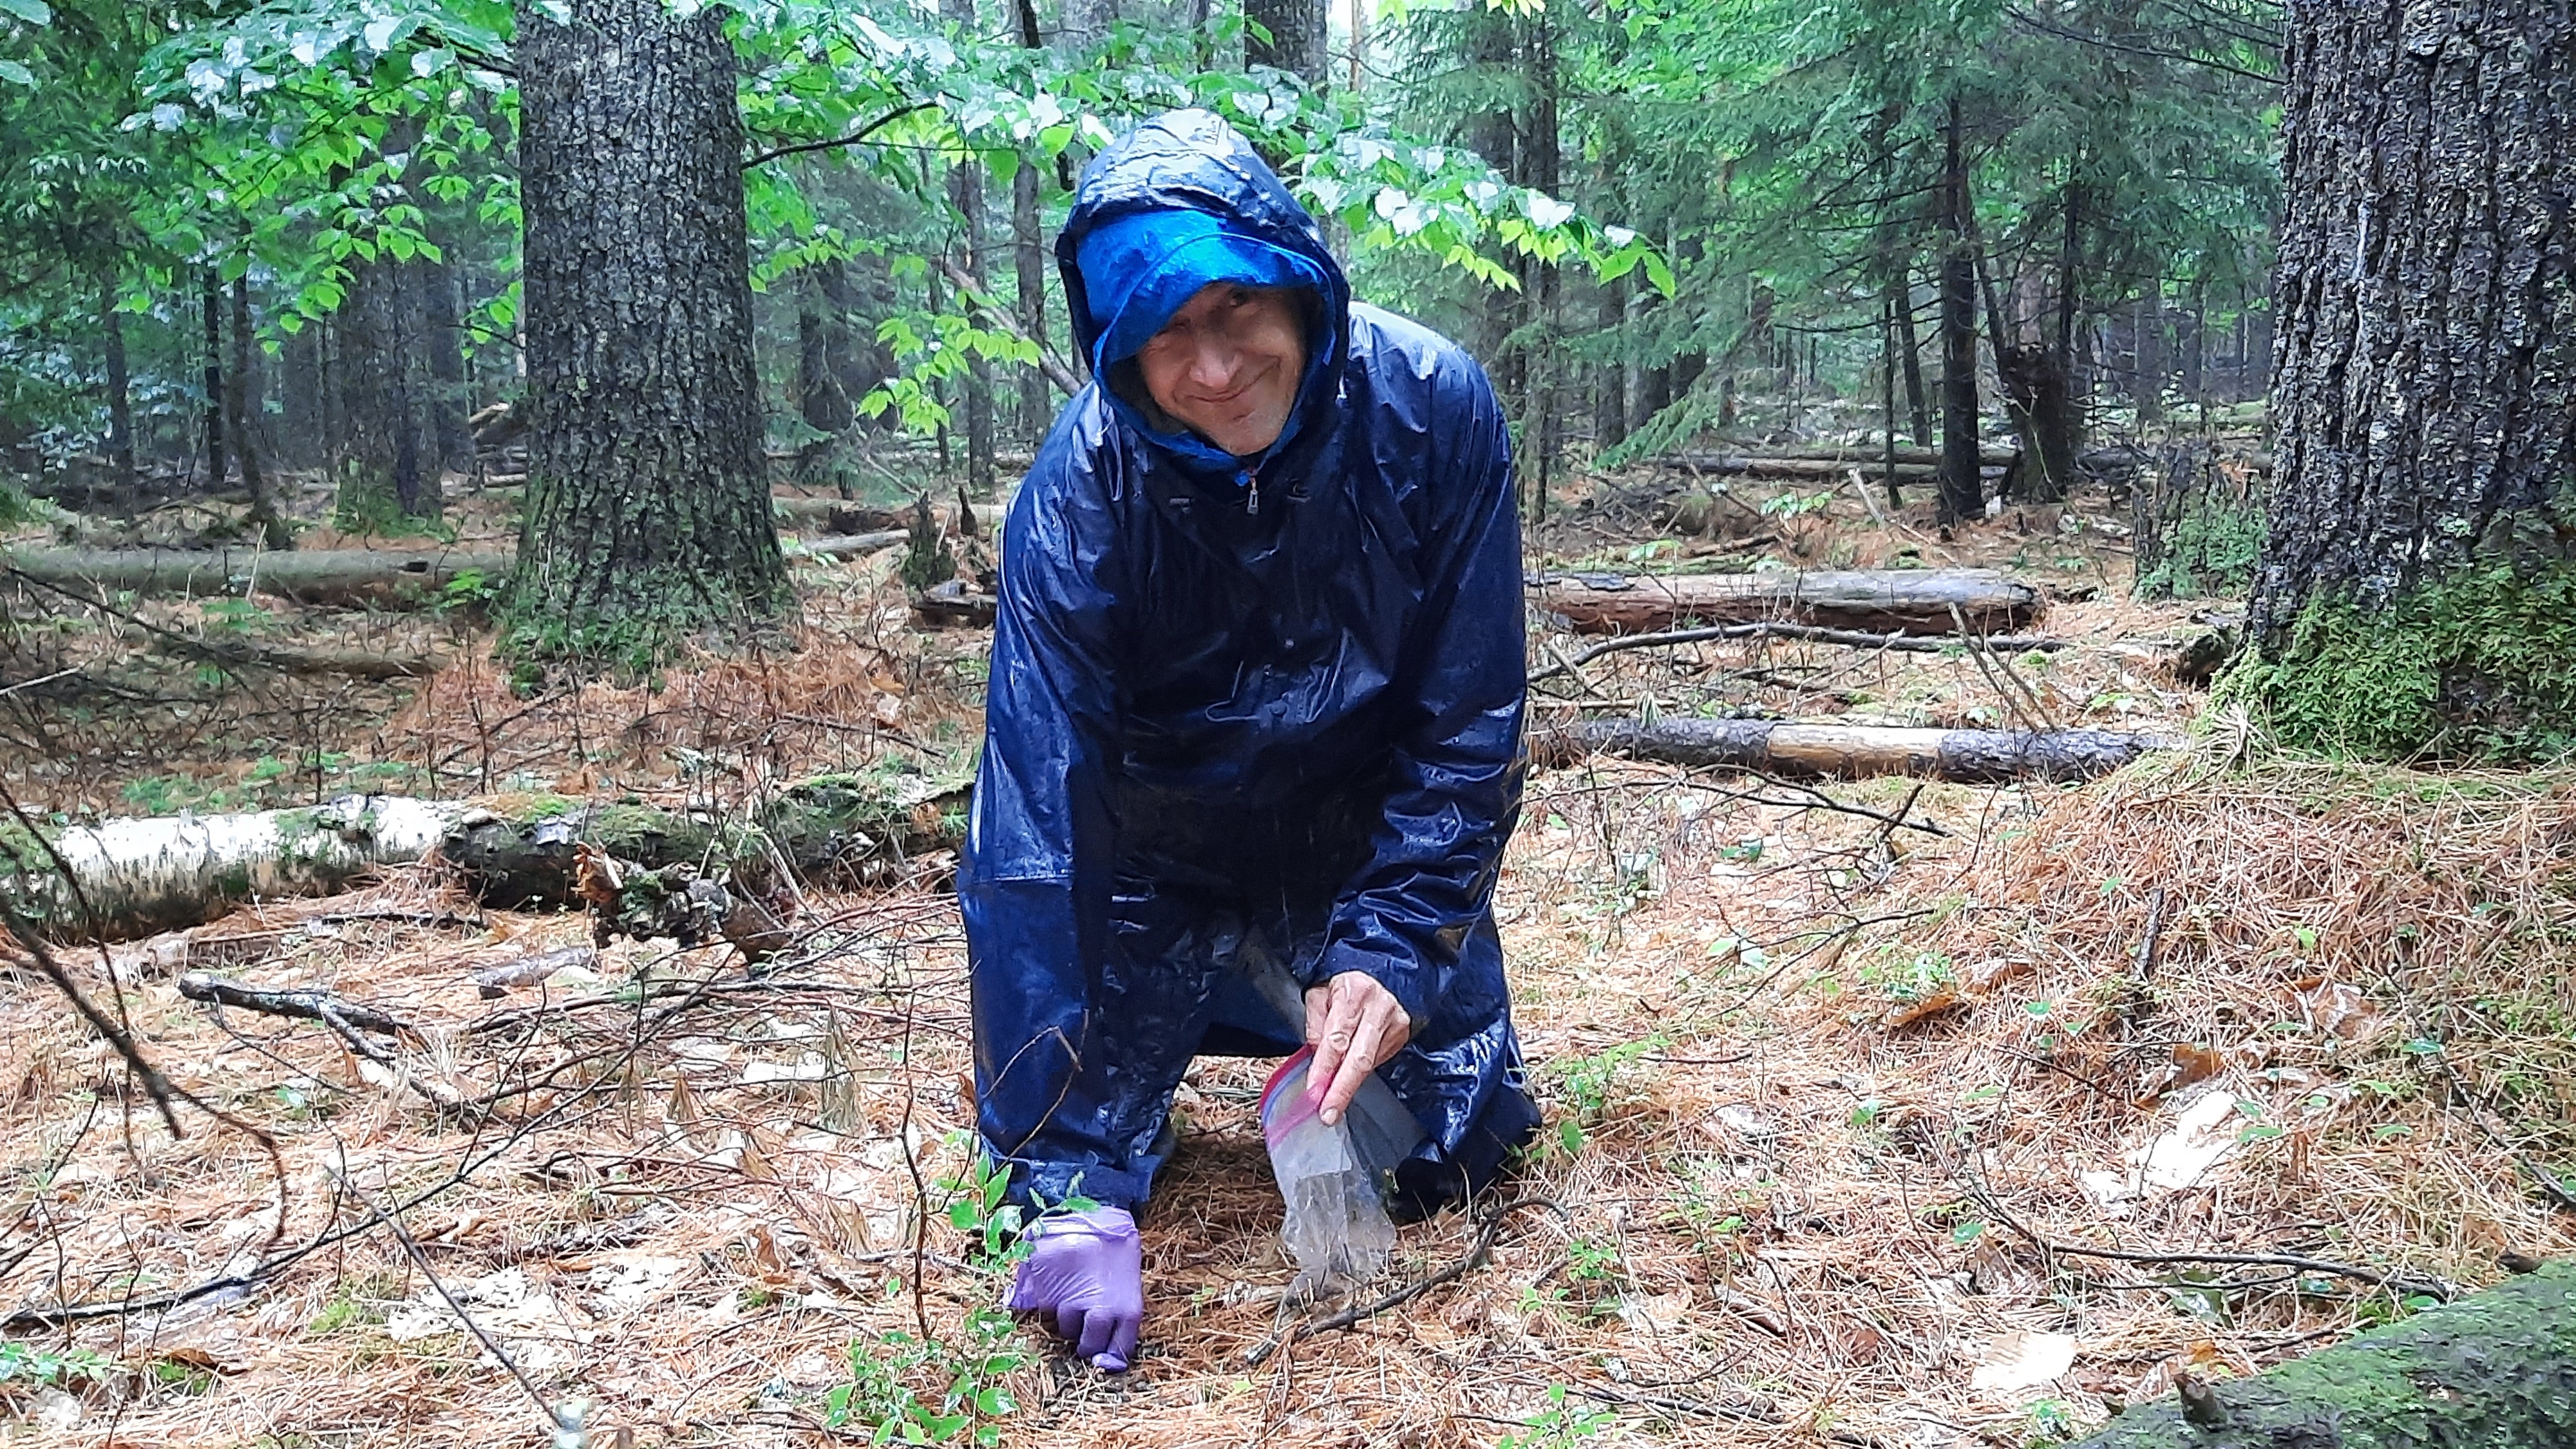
point(1354, 1024)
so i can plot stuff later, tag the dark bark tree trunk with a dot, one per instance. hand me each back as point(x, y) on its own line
point(1909, 353)
point(241, 401)
point(1296, 39)
point(120, 397)
point(1495, 135)
point(442, 315)
point(2425, 380)
point(2147, 351)
point(1962, 486)
point(2037, 400)
point(210, 301)
point(966, 195)
point(648, 501)
point(819, 399)
point(1028, 262)
point(1610, 376)
point(1543, 425)
point(388, 462)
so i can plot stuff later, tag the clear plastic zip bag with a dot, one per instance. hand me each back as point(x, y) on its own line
point(1336, 1230)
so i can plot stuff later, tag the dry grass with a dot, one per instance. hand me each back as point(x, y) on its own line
point(1810, 1079)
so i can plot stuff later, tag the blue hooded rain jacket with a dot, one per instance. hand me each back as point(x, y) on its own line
point(1246, 711)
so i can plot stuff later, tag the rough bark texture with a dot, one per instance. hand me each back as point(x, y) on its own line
point(2425, 380)
point(1854, 751)
point(1296, 42)
point(647, 503)
point(2496, 1370)
point(144, 876)
point(1896, 601)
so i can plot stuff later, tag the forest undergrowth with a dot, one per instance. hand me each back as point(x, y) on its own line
point(1848, 1089)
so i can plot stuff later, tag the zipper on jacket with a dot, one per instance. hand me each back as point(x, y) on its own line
point(1252, 497)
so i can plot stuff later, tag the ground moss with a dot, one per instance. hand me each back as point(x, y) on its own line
point(2477, 666)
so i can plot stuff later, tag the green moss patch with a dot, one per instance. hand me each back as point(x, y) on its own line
point(2479, 666)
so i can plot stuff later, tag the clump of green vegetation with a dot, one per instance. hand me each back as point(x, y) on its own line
point(2480, 665)
point(2209, 553)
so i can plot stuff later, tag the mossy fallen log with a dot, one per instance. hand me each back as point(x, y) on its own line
point(2496, 1370)
point(1882, 601)
point(1853, 751)
point(138, 877)
point(314, 576)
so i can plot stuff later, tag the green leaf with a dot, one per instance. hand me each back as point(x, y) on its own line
point(34, 12)
point(11, 70)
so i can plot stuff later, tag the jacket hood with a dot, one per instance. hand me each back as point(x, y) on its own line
point(1194, 161)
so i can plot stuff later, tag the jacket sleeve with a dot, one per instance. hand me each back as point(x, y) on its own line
point(1034, 881)
point(1456, 785)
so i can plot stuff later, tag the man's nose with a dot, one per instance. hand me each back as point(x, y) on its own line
point(1212, 366)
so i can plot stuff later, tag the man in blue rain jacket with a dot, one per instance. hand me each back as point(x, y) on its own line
point(1254, 714)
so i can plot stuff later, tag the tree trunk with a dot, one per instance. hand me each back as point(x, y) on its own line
point(1028, 261)
point(1909, 352)
point(210, 301)
point(120, 396)
point(1904, 601)
point(966, 195)
point(2147, 353)
point(648, 500)
point(819, 399)
point(2425, 380)
point(240, 400)
point(2491, 1370)
point(442, 316)
point(1541, 160)
point(1854, 751)
point(1296, 37)
point(389, 445)
point(1609, 376)
point(1962, 486)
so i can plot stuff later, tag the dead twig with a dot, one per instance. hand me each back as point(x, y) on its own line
point(2437, 1288)
point(326, 1007)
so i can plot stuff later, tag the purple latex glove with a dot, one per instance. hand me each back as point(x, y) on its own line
point(1088, 1270)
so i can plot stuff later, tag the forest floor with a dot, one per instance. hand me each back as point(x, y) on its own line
point(1836, 1078)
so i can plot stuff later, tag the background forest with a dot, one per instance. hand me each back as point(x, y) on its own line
point(2042, 905)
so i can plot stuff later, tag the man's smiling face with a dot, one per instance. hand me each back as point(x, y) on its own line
point(1228, 364)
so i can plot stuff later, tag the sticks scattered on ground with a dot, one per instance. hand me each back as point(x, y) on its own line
point(1349, 1317)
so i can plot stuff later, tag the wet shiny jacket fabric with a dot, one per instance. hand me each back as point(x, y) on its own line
point(1247, 711)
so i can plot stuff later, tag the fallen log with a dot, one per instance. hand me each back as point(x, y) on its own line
point(346, 576)
point(1885, 601)
point(1975, 757)
point(2496, 1370)
point(139, 877)
point(1816, 463)
point(314, 576)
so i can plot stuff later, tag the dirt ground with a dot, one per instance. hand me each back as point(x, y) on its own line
point(1837, 1078)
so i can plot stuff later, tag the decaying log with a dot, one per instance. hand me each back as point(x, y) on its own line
point(159, 874)
point(1885, 601)
point(315, 576)
point(2496, 1370)
point(953, 602)
point(1796, 463)
point(1853, 751)
point(836, 515)
point(523, 851)
point(140, 877)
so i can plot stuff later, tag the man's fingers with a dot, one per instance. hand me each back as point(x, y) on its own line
point(1356, 1064)
point(1319, 1004)
point(1330, 1035)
